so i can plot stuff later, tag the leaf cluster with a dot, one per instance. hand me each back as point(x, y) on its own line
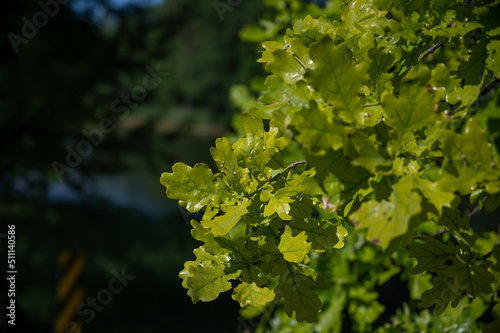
point(390, 107)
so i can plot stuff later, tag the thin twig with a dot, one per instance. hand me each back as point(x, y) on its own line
point(431, 50)
point(474, 211)
point(277, 176)
point(286, 170)
point(490, 87)
point(431, 235)
point(295, 164)
point(487, 255)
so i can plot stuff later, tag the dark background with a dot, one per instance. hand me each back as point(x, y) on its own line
point(110, 206)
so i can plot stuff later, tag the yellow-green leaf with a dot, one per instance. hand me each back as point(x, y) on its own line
point(294, 249)
point(221, 225)
point(249, 295)
point(389, 219)
point(337, 79)
point(196, 186)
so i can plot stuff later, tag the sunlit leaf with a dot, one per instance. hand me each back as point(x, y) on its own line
point(388, 219)
point(195, 186)
point(205, 278)
point(411, 110)
point(221, 225)
point(318, 128)
point(294, 249)
point(277, 202)
point(258, 147)
point(337, 78)
point(251, 295)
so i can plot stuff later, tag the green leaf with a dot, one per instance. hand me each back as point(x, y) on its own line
point(294, 249)
point(391, 139)
point(492, 327)
point(205, 278)
point(380, 78)
point(496, 311)
point(387, 220)
point(431, 255)
point(365, 152)
point(473, 279)
point(493, 61)
point(309, 30)
point(237, 248)
point(431, 191)
point(444, 291)
point(317, 129)
point(468, 158)
point(449, 287)
point(412, 109)
point(451, 26)
point(476, 148)
point(227, 163)
point(295, 286)
point(252, 274)
point(345, 179)
point(457, 225)
point(473, 69)
point(281, 62)
point(283, 98)
point(301, 208)
point(258, 147)
point(277, 202)
point(249, 295)
point(337, 79)
point(496, 255)
point(442, 81)
point(488, 17)
point(223, 154)
point(360, 16)
point(221, 225)
point(199, 232)
point(322, 234)
point(195, 187)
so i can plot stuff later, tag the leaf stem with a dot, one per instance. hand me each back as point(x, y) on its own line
point(370, 105)
point(491, 87)
point(298, 60)
point(487, 255)
point(476, 209)
point(431, 50)
point(286, 170)
point(277, 176)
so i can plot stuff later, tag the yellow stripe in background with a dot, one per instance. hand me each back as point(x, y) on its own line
point(69, 279)
point(64, 259)
point(68, 312)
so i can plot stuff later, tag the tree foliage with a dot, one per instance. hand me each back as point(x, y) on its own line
point(390, 113)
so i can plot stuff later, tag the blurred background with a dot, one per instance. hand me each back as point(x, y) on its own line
point(98, 98)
